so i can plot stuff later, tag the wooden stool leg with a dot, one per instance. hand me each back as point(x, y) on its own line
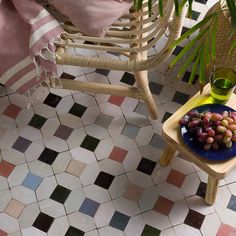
point(211, 191)
point(167, 155)
point(145, 94)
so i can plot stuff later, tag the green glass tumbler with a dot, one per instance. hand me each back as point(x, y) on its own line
point(223, 82)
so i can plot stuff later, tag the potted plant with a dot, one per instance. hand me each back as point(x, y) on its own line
point(200, 51)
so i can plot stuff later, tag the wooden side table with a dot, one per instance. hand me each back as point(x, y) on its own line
point(216, 170)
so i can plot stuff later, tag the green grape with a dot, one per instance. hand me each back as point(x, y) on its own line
point(228, 144)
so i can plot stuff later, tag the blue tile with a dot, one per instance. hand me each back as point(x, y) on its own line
point(89, 207)
point(232, 203)
point(32, 181)
point(119, 221)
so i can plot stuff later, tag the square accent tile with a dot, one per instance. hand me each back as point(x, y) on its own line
point(14, 208)
point(32, 181)
point(89, 207)
point(3, 233)
point(21, 144)
point(146, 166)
point(72, 231)
point(104, 180)
point(158, 141)
point(155, 88)
point(116, 100)
point(133, 192)
point(103, 120)
point(12, 111)
point(226, 230)
point(118, 154)
point(130, 131)
point(180, 98)
point(176, 178)
point(187, 75)
point(48, 156)
point(37, 121)
point(232, 203)
point(163, 205)
point(166, 116)
point(65, 75)
point(77, 110)
point(128, 78)
point(119, 221)
point(150, 231)
point(60, 194)
point(90, 143)
point(52, 100)
point(201, 191)
point(195, 15)
point(194, 219)
point(177, 50)
point(43, 222)
point(75, 167)
point(6, 168)
point(63, 132)
point(102, 72)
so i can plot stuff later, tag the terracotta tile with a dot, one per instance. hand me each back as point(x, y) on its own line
point(12, 111)
point(226, 230)
point(176, 178)
point(118, 154)
point(2, 233)
point(14, 208)
point(133, 192)
point(6, 168)
point(75, 167)
point(116, 100)
point(163, 205)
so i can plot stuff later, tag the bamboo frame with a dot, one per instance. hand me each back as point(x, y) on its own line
point(133, 35)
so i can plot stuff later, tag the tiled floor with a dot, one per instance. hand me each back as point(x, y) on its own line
point(82, 164)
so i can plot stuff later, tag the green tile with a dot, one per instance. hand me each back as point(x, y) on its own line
point(150, 231)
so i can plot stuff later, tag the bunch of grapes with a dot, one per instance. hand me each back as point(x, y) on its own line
point(214, 130)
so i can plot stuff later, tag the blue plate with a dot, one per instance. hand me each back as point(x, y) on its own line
point(223, 153)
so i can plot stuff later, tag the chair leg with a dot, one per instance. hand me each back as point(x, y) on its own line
point(145, 94)
point(211, 191)
point(167, 155)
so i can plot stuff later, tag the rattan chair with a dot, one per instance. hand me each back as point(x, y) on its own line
point(131, 37)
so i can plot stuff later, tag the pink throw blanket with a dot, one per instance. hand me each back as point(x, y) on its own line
point(27, 54)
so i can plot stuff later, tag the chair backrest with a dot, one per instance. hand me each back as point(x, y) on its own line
point(131, 36)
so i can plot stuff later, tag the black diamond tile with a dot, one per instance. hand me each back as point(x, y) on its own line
point(201, 191)
point(21, 144)
point(146, 166)
point(37, 121)
point(184, 30)
point(119, 221)
point(180, 98)
point(72, 231)
point(52, 100)
point(201, 1)
point(155, 88)
point(43, 222)
point(150, 231)
point(67, 76)
point(90, 143)
point(102, 72)
point(48, 156)
point(195, 15)
point(77, 110)
point(194, 219)
point(128, 78)
point(60, 194)
point(177, 50)
point(187, 75)
point(104, 180)
point(166, 116)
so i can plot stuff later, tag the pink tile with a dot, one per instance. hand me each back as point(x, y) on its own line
point(226, 230)
point(118, 154)
point(75, 167)
point(12, 111)
point(6, 168)
point(163, 205)
point(176, 178)
point(116, 100)
point(133, 192)
point(14, 208)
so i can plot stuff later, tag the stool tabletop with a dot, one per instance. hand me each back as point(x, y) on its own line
point(171, 134)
